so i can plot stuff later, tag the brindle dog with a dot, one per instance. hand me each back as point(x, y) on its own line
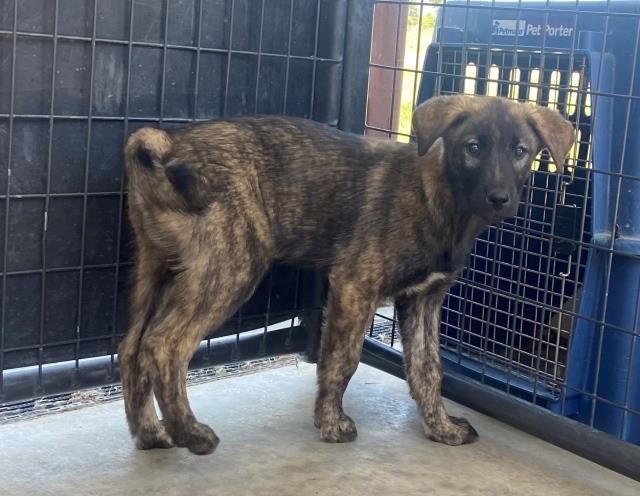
point(214, 205)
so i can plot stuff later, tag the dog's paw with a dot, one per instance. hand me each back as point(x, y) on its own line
point(197, 438)
point(454, 433)
point(156, 438)
point(341, 429)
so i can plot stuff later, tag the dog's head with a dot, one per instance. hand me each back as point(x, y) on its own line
point(487, 145)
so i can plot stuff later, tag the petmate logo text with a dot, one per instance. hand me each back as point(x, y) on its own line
point(508, 27)
point(511, 27)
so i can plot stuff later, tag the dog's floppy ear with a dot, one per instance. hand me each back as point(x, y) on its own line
point(432, 118)
point(555, 133)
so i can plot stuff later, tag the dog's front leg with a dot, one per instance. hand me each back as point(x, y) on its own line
point(347, 314)
point(419, 317)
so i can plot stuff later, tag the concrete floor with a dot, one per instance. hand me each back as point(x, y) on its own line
point(270, 447)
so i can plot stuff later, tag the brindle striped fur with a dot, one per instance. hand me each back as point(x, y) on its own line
point(214, 205)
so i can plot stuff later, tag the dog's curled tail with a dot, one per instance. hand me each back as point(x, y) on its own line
point(156, 177)
point(146, 148)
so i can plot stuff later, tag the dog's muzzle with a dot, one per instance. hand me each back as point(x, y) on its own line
point(498, 199)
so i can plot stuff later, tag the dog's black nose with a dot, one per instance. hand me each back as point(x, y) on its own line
point(498, 199)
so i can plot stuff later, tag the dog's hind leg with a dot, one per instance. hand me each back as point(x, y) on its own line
point(216, 278)
point(419, 317)
point(143, 421)
point(347, 314)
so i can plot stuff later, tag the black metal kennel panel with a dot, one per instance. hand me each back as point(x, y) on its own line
point(548, 306)
point(76, 77)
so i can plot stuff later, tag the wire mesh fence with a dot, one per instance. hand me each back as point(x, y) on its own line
point(76, 77)
point(547, 308)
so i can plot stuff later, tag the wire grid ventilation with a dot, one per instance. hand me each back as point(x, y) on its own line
point(520, 270)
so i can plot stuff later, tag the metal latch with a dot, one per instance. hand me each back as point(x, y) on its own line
point(566, 229)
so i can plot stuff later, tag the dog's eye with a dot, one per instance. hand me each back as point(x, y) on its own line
point(473, 148)
point(520, 151)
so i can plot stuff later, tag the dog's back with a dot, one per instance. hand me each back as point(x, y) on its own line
point(301, 177)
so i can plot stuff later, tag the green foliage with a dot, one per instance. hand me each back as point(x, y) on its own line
point(428, 17)
point(404, 120)
point(421, 21)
